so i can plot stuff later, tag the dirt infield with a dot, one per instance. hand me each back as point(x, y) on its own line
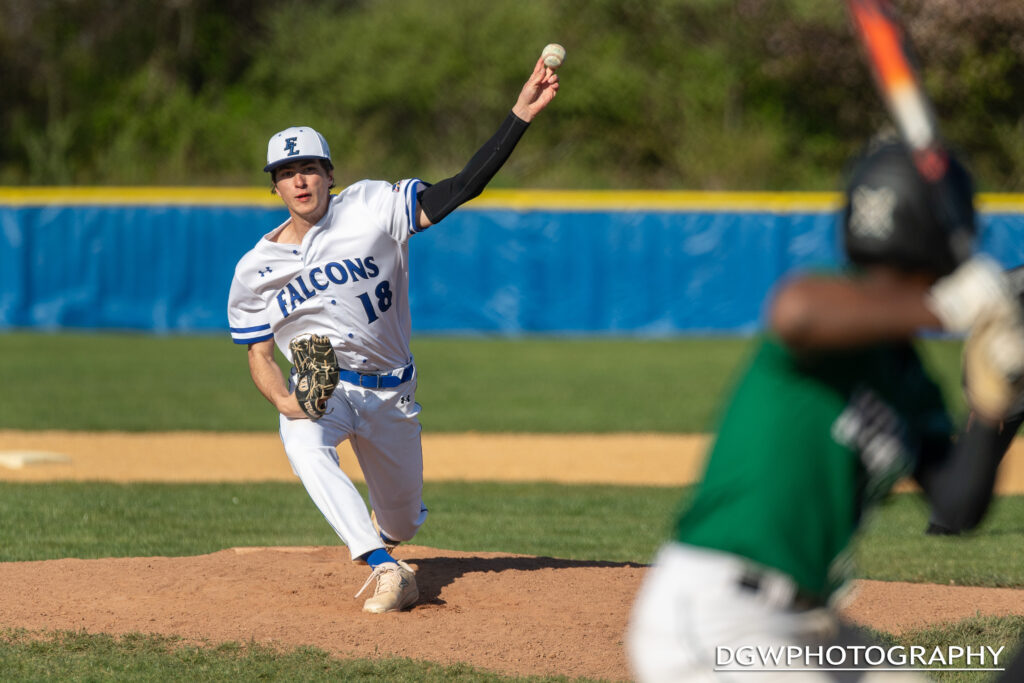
point(639, 459)
point(508, 613)
point(200, 456)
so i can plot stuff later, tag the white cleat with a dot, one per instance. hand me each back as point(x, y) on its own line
point(396, 588)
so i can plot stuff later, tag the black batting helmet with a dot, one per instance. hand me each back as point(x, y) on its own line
point(893, 217)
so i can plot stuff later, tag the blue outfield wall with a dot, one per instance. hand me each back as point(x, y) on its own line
point(646, 273)
point(159, 269)
point(645, 264)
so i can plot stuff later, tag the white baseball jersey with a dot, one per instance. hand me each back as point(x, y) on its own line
point(348, 279)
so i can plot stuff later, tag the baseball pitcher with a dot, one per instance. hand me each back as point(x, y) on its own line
point(329, 289)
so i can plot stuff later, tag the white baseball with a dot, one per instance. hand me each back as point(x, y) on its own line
point(554, 55)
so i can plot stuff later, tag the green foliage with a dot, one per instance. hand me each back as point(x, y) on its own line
point(715, 94)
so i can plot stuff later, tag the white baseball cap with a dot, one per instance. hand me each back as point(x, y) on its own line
point(296, 144)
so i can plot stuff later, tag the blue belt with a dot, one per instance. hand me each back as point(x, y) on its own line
point(369, 381)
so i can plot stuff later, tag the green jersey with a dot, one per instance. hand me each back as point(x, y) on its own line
point(807, 444)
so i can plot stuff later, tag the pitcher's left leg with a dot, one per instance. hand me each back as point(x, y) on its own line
point(387, 445)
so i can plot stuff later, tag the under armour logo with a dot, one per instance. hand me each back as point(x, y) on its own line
point(263, 273)
point(871, 212)
point(402, 401)
point(289, 146)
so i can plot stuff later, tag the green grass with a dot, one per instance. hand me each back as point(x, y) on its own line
point(146, 383)
point(579, 385)
point(893, 547)
point(976, 632)
point(127, 382)
point(613, 523)
point(143, 383)
point(90, 520)
point(79, 656)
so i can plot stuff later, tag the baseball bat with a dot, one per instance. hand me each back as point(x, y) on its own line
point(890, 55)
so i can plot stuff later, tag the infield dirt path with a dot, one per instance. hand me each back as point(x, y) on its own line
point(637, 459)
point(514, 614)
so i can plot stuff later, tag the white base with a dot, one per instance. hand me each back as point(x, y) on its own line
point(17, 460)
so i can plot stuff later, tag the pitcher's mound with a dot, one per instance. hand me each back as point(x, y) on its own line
point(514, 614)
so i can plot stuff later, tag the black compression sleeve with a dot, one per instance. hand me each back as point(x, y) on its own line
point(960, 485)
point(442, 198)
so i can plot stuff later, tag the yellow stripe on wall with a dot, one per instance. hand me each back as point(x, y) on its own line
point(137, 196)
point(655, 200)
point(1000, 203)
point(523, 200)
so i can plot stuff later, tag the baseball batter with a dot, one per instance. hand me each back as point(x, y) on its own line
point(336, 274)
point(834, 408)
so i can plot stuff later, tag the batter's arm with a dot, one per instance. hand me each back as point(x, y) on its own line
point(267, 376)
point(439, 200)
point(819, 312)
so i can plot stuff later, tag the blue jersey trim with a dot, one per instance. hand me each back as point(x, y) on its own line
point(256, 328)
point(253, 340)
point(413, 202)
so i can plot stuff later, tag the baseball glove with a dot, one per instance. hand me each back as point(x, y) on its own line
point(316, 368)
point(994, 366)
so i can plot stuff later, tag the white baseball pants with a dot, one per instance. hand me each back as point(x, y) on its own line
point(384, 430)
point(692, 617)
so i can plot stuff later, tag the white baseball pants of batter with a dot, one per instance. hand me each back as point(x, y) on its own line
point(384, 430)
point(693, 621)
